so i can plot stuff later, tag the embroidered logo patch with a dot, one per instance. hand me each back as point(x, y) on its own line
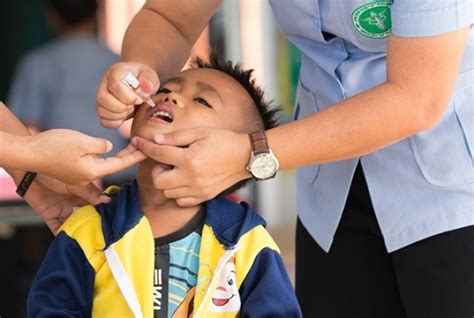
point(373, 20)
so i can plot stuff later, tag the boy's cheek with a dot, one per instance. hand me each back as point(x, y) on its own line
point(147, 130)
point(135, 125)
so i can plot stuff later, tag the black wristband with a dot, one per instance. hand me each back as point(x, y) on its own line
point(25, 183)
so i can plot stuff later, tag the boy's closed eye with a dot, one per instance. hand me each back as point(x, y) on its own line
point(163, 90)
point(199, 100)
point(202, 101)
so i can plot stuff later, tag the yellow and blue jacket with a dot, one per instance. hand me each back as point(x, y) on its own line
point(101, 264)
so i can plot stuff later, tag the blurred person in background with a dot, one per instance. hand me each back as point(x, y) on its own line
point(384, 142)
point(54, 85)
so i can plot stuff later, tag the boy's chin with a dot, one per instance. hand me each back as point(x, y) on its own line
point(148, 135)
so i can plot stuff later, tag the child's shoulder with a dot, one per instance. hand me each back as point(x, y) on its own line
point(228, 211)
point(84, 217)
point(236, 222)
point(86, 214)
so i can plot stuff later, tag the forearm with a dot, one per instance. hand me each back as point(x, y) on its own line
point(13, 138)
point(362, 124)
point(421, 74)
point(166, 54)
point(10, 123)
point(15, 155)
point(163, 39)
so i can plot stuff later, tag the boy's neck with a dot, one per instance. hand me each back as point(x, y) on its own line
point(165, 215)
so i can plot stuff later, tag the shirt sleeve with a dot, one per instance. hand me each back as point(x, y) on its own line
point(63, 286)
point(266, 290)
point(421, 18)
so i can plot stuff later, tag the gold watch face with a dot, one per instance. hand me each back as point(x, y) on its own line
point(263, 166)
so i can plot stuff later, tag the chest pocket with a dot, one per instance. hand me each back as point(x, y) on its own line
point(298, 19)
point(364, 24)
point(445, 153)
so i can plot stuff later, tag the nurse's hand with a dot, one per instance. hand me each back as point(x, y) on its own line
point(205, 162)
point(115, 101)
point(74, 158)
point(89, 193)
point(52, 207)
point(54, 200)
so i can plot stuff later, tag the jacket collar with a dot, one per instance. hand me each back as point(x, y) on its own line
point(228, 219)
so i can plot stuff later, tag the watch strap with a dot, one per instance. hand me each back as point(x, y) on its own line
point(258, 142)
point(25, 183)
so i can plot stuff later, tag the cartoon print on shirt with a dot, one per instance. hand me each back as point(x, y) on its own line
point(225, 297)
point(204, 278)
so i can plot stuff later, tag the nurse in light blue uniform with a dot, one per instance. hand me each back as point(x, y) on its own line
point(384, 142)
point(420, 186)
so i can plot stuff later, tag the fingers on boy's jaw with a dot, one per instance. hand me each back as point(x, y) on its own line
point(130, 150)
point(131, 157)
point(187, 201)
point(156, 172)
point(178, 192)
point(137, 142)
point(144, 145)
point(181, 137)
point(163, 177)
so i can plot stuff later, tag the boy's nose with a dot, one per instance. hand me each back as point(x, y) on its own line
point(167, 99)
point(173, 99)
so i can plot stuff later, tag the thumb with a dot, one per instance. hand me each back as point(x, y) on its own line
point(98, 146)
point(147, 86)
point(180, 137)
point(90, 193)
point(149, 81)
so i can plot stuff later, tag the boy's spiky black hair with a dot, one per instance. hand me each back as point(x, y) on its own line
point(267, 111)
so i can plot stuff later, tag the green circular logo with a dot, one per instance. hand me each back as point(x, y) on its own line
point(373, 20)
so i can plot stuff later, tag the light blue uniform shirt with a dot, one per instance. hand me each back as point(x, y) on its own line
point(420, 186)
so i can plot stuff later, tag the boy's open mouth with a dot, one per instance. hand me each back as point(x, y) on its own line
point(163, 115)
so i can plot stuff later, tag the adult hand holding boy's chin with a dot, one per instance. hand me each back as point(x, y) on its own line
point(206, 161)
point(75, 158)
point(78, 164)
point(115, 100)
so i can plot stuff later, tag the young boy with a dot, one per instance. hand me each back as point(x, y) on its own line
point(142, 255)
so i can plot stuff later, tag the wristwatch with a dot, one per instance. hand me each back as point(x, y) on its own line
point(263, 164)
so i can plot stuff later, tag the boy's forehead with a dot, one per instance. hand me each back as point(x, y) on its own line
point(199, 74)
point(220, 81)
point(211, 76)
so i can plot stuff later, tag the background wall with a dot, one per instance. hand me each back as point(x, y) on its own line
point(22, 27)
